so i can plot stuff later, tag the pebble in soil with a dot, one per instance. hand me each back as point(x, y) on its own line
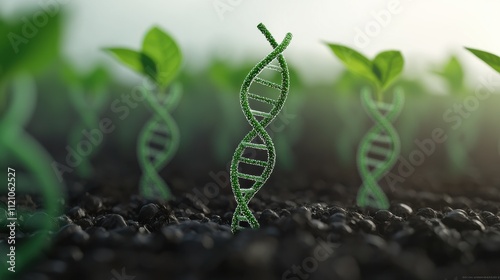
point(185, 239)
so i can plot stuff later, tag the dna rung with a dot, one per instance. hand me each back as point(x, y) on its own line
point(267, 83)
point(158, 137)
point(273, 67)
point(264, 99)
point(379, 148)
point(244, 195)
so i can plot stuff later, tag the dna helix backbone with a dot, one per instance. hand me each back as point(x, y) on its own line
point(379, 149)
point(258, 138)
point(158, 143)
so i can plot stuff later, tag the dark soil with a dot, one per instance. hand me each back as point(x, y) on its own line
point(307, 235)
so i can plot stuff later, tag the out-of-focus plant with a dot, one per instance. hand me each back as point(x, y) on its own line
point(88, 94)
point(462, 139)
point(227, 80)
point(23, 56)
point(21, 53)
point(288, 128)
point(417, 111)
point(491, 59)
point(380, 147)
point(351, 126)
point(28, 156)
point(160, 59)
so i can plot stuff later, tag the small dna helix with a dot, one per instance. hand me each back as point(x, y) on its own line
point(33, 160)
point(158, 142)
point(258, 133)
point(379, 149)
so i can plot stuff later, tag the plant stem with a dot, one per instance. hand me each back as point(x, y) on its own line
point(3, 96)
point(380, 96)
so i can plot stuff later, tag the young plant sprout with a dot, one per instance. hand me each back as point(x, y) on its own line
point(88, 95)
point(160, 60)
point(460, 141)
point(258, 138)
point(28, 155)
point(491, 59)
point(351, 125)
point(380, 148)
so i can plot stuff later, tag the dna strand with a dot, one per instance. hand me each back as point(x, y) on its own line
point(258, 138)
point(379, 149)
point(27, 153)
point(158, 142)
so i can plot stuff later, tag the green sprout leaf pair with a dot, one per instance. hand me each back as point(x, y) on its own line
point(381, 71)
point(160, 58)
point(382, 139)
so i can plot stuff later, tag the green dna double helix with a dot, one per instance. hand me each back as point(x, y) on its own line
point(379, 149)
point(258, 138)
point(158, 142)
point(31, 158)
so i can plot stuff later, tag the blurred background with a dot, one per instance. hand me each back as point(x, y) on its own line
point(318, 131)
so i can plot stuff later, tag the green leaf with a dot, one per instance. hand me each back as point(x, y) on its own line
point(165, 53)
point(129, 58)
point(26, 47)
point(387, 66)
point(137, 61)
point(97, 80)
point(354, 61)
point(453, 73)
point(490, 59)
point(69, 74)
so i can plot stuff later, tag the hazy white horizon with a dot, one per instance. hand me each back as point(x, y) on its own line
point(425, 31)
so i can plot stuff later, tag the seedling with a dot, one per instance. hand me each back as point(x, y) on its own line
point(351, 125)
point(380, 148)
point(491, 59)
point(226, 79)
point(88, 95)
point(28, 155)
point(258, 138)
point(465, 133)
point(160, 60)
point(18, 56)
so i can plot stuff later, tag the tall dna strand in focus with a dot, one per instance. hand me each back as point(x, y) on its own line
point(158, 142)
point(258, 138)
point(379, 149)
point(31, 179)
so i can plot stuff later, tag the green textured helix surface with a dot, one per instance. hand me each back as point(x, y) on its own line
point(158, 143)
point(379, 149)
point(258, 133)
